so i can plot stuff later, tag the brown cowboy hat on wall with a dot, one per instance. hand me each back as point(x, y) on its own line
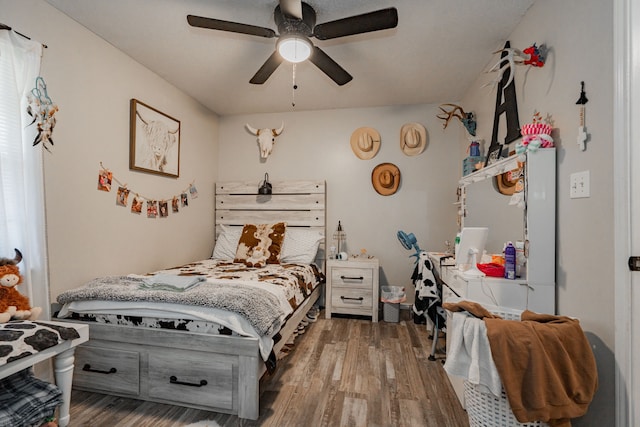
point(413, 138)
point(507, 182)
point(365, 142)
point(385, 178)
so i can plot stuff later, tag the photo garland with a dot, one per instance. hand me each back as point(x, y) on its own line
point(154, 208)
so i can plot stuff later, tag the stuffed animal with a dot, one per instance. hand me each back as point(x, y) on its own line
point(14, 305)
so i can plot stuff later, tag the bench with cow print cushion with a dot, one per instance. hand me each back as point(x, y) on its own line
point(22, 338)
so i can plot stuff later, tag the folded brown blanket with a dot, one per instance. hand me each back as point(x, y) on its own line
point(546, 365)
point(471, 307)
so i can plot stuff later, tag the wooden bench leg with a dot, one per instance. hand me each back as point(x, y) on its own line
point(63, 366)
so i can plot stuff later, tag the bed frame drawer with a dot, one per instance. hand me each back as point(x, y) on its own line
point(110, 370)
point(193, 378)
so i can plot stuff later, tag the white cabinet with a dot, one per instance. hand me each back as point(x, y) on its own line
point(536, 225)
point(535, 290)
point(353, 287)
point(517, 294)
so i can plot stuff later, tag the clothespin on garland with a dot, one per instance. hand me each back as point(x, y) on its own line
point(155, 207)
point(43, 111)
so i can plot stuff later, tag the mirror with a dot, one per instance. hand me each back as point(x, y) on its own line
point(486, 207)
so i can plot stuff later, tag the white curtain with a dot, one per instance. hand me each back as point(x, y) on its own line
point(22, 208)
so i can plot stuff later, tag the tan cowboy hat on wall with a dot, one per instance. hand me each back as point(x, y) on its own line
point(511, 181)
point(365, 142)
point(385, 178)
point(413, 139)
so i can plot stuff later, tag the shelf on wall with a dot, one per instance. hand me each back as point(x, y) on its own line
point(496, 168)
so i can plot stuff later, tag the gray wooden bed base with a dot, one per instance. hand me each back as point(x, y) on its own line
point(212, 372)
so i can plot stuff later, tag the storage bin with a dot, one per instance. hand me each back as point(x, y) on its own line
point(392, 296)
point(483, 408)
point(391, 312)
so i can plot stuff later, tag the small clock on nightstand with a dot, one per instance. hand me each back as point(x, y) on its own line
point(352, 287)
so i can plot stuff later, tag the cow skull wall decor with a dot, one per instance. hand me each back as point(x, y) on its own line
point(266, 138)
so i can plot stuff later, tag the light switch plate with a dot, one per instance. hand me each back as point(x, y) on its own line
point(579, 185)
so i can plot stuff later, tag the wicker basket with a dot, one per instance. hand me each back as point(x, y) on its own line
point(483, 408)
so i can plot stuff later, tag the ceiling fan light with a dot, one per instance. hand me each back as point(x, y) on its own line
point(294, 48)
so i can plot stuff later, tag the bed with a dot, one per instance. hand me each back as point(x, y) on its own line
point(208, 355)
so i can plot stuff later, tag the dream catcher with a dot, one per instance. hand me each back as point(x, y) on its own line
point(43, 111)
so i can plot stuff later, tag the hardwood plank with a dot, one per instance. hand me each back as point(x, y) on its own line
point(344, 371)
point(354, 412)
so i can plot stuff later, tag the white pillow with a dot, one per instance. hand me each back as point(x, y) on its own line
point(227, 243)
point(300, 245)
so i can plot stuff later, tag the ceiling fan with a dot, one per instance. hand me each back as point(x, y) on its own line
point(296, 22)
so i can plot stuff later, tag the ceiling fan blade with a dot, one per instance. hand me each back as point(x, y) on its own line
point(269, 66)
point(358, 24)
point(291, 8)
point(329, 66)
point(234, 27)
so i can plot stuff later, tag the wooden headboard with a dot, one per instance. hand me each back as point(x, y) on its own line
point(298, 203)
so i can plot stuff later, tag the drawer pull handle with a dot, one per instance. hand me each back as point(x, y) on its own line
point(87, 368)
point(351, 298)
point(174, 380)
point(351, 278)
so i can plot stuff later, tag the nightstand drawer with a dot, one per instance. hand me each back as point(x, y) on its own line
point(351, 277)
point(351, 298)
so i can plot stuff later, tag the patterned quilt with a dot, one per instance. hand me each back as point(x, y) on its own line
point(296, 280)
point(262, 296)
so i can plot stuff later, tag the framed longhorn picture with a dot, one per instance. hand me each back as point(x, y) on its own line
point(154, 145)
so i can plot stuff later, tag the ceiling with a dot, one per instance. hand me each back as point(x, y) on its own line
point(434, 54)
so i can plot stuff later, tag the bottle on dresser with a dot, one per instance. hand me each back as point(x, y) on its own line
point(510, 261)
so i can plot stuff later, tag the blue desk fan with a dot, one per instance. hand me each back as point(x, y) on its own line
point(409, 242)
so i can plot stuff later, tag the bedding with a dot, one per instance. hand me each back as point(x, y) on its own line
point(227, 242)
point(260, 244)
point(300, 244)
point(226, 297)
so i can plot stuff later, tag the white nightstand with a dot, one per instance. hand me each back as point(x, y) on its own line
point(353, 287)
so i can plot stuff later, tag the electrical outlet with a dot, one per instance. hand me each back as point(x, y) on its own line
point(579, 185)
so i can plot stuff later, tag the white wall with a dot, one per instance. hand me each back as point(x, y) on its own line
point(92, 82)
point(580, 37)
point(315, 145)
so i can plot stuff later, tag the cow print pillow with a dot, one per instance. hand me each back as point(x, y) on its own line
point(260, 244)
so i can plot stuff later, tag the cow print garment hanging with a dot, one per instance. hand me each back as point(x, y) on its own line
point(428, 300)
point(22, 338)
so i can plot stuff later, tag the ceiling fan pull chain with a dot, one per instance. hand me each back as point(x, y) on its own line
point(295, 86)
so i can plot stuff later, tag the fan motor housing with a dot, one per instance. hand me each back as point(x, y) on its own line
point(288, 25)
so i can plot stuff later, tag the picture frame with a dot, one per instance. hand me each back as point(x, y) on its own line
point(154, 140)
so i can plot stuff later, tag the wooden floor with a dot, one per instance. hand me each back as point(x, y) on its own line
point(343, 371)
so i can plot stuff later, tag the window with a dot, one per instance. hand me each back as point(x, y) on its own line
point(22, 220)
